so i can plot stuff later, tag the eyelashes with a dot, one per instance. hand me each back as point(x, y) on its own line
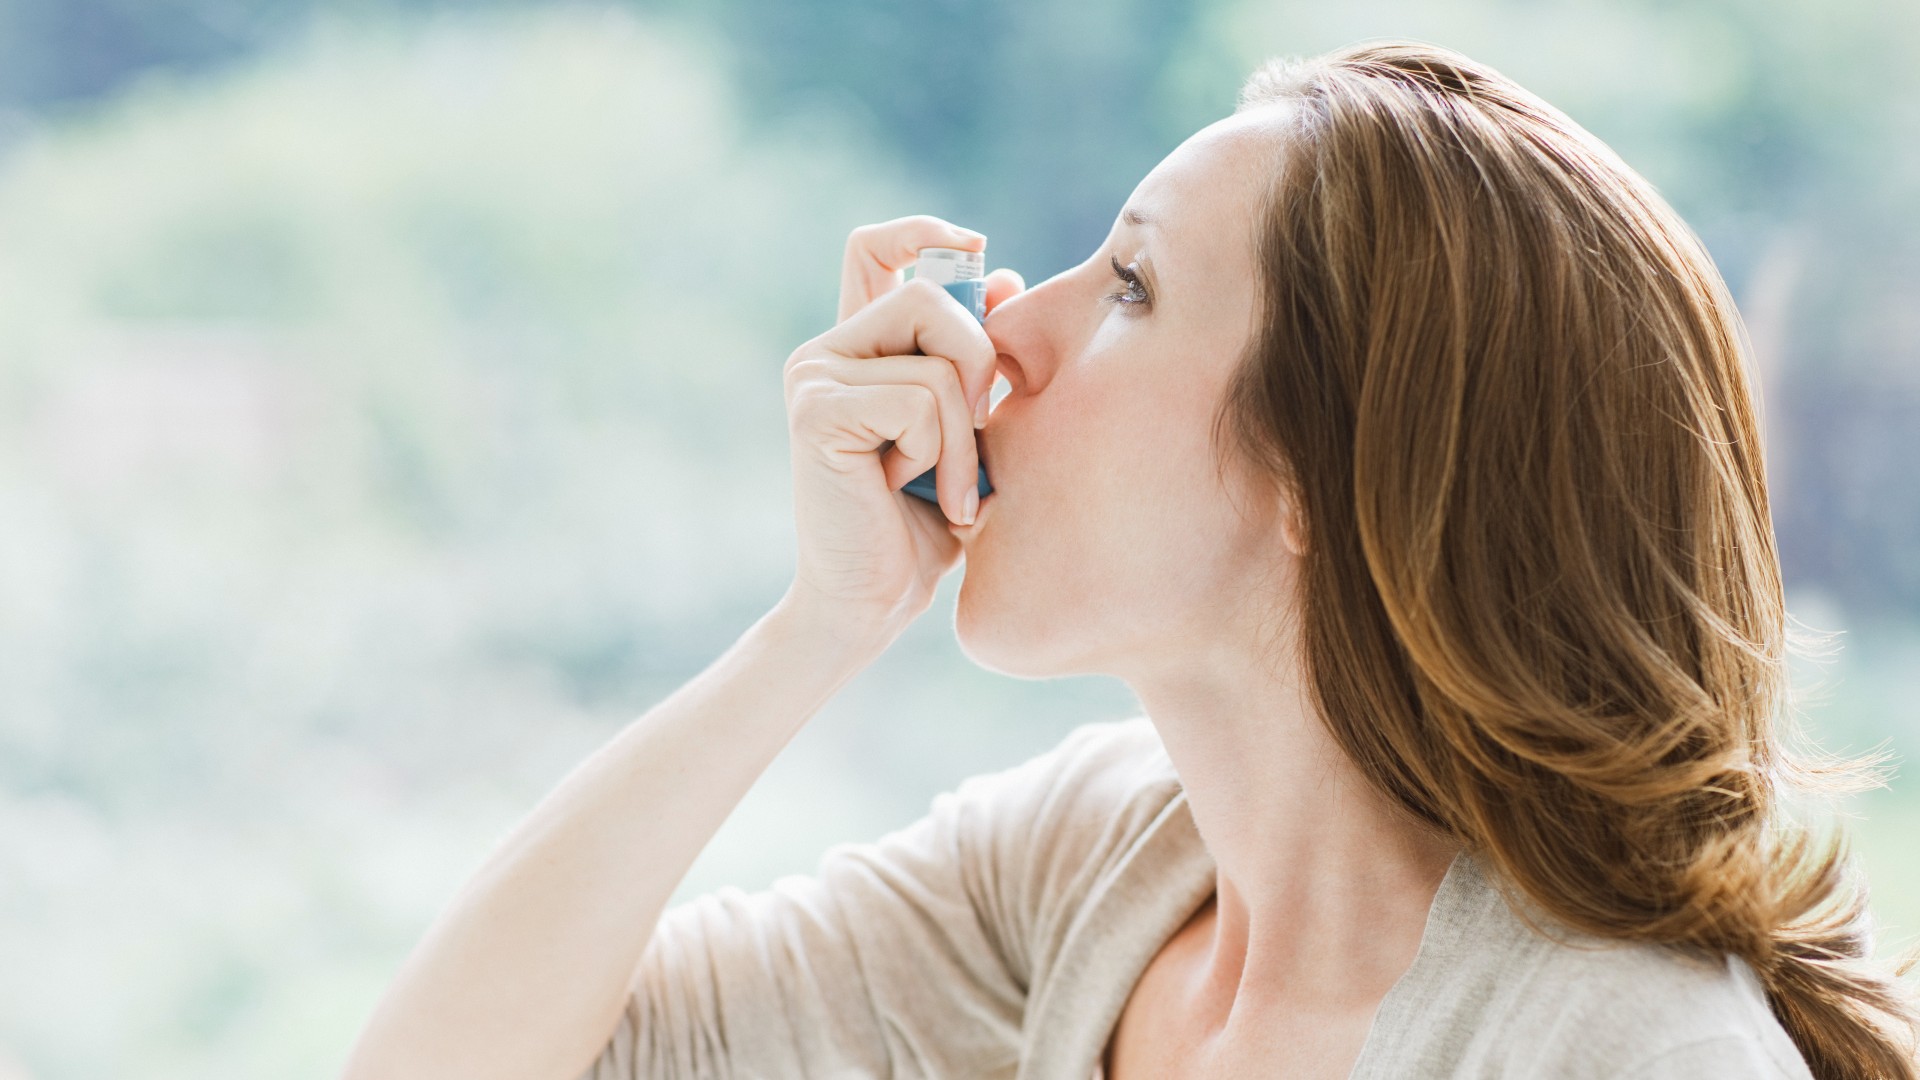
point(1135, 294)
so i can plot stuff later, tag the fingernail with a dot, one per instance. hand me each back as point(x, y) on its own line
point(972, 506)
point(980, 410)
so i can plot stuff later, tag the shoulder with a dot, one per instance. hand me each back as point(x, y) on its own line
point(1650, 1010)
point(1109, 760)
point(1554, 1002)
point(1127, 752)
point(1030, 844)
point(1094, 768)
point(1099, 787)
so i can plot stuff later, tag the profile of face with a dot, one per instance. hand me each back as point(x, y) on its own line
point(1113, 544)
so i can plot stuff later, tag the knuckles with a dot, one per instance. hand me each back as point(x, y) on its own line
point(950, 379)
point(801, 369)
point(926, 293)
point(794, 360)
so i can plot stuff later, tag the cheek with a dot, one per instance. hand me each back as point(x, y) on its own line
point(1147, 445)
point(1117, 519)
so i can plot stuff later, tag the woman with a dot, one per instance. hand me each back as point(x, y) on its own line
point(1396, 448)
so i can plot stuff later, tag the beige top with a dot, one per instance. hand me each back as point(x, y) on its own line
point(1000, 936)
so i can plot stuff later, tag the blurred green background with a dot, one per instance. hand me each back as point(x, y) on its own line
point(390, 411)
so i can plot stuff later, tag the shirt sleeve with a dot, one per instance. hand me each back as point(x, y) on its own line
point(902, 957)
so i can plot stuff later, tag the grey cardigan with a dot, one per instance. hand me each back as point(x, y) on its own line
point(1000, 936)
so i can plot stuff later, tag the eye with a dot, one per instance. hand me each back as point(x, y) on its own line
point(1135, 294)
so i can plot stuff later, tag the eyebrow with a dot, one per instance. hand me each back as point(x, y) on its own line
point(1135, 217)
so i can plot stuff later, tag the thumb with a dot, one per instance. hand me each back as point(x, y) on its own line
point(1002, 284)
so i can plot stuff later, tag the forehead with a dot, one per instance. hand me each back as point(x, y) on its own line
point(1202, 197)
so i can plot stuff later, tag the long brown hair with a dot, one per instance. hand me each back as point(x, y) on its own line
point(1542, 607)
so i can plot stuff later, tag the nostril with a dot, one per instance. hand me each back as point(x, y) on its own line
point(1003, 367)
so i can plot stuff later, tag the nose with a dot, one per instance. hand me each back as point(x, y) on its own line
point(1025, 332)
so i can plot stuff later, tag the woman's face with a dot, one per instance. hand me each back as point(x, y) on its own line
point(1111, 545)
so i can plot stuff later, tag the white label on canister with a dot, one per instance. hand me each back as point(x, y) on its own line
point(944, 266)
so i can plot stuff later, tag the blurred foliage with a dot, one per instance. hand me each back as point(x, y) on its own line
point(1784, 131)
point(389, 409)
point(356, 404)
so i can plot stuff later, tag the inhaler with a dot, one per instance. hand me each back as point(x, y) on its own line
point(962, 274)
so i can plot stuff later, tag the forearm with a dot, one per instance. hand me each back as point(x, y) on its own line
point(526, 971)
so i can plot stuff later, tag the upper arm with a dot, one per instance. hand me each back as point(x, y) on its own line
point(906, 956)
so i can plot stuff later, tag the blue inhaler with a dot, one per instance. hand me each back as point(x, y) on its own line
point(962, 274)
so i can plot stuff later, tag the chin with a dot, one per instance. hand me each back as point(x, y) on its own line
point(1008, 639)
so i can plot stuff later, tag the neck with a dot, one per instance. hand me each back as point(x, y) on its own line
point(1323, 887)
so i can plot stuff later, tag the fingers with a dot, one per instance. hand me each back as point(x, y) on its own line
point(1003, 284)
point(876, 255)
point(923, 403)
point(919, 447)
point(917, 402)
point(918, 316)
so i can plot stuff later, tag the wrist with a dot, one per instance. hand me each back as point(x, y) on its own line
point(829, 630)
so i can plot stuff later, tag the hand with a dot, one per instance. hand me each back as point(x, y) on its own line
point(870, 554)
